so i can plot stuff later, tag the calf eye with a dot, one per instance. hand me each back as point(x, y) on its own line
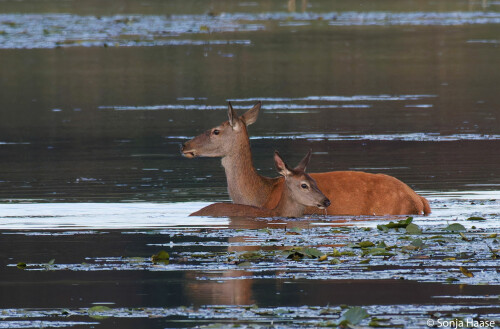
point(216, 132)
point(304, 186)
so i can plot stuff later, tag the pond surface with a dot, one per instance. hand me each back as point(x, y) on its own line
point(96, 98)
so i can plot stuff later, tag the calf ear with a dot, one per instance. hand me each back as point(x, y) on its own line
point(304, 162)
point(251, 115)
point(281, 166)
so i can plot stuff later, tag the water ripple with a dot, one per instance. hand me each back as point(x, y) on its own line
point(408, 137)
point(65, 30)
point(279, 103)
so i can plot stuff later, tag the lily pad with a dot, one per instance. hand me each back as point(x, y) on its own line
point(418, 243)
point(400, 224)
point(312, 252)
point(161, 257)
point(366, 244)
point(95, 312)
point(354, 315)
point(455, 227)
point(476, 218)
point(335, 253)
point(299, 253)
point(413, 229)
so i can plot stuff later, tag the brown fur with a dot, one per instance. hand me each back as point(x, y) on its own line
point(360, 193)
point(350, 192)
point(294, 198)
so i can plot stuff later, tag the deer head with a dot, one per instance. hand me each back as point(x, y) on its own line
point(302, 188)
point(226, 138)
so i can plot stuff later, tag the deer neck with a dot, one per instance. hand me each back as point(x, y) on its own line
point(287, 206)
point(244, 184)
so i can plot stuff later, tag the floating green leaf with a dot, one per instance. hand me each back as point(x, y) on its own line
point(294, 231)
point(312, 252)
point(413, 229)
point(376, 323)
point(48, 266)
point(94, 312)
point(379, 252)
point(161, 257)
point(400, 224)
point(383, 228)
point(417, 243)
point(98, 309)
point(323, 258)
point(335, 253)
point(354, 315)
point(299, 253)
point(335, 261)
point(265, 230)
point(21, 265)
point(476, 218)
point(366, 244)
point(455, 227)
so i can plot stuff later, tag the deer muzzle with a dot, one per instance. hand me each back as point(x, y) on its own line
point(324, 204)
point(188, 153)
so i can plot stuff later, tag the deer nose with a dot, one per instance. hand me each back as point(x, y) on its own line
point(326, 203)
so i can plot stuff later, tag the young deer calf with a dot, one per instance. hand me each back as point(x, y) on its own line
point(300, 191)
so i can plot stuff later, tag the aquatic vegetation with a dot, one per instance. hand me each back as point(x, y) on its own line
point(396, 250)
point(248, 316)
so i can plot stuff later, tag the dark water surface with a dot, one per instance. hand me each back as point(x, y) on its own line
point(96, 98)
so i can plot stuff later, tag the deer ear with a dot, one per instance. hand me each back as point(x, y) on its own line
point(304, 162)
point(251, 115)
point(233, 117)
point(281, 166)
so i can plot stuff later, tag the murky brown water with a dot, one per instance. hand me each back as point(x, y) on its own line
point(95, 100)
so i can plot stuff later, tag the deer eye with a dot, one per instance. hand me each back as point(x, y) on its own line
point(216, 132)
point(304, 186)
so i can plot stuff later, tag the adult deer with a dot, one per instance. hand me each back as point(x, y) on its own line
point(300, 190)
point(350, 192)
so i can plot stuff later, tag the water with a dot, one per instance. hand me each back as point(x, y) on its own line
point(96, 99)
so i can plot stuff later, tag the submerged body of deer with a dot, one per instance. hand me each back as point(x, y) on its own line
point(350, 192)
point(299, 191)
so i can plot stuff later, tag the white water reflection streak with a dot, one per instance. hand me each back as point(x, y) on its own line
point(451, 206)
